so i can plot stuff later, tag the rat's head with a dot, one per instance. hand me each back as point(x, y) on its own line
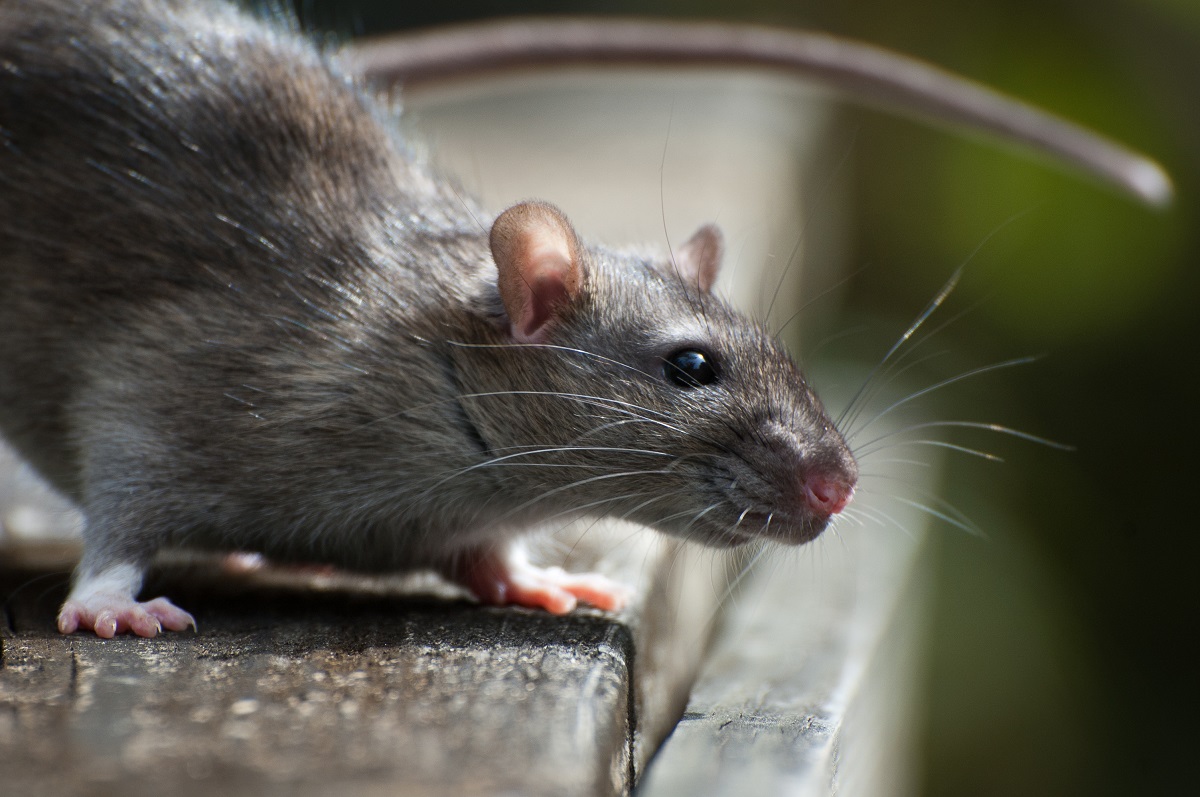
point(629, 390)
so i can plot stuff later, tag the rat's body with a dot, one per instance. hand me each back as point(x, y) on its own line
point(235, 315)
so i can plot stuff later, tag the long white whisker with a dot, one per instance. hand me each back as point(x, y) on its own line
point(581, 508)
point(915, 463)
point(962, 522)
point(990, 427)
point(889, 518)
point(856, 518)
point(743, 571)
point(939, 385)
point(938, 444)
point(600, 401)
point(827, 179)
point(831, 338)
point(550, 346)
point(814, 299)
point(934, 304)
point(700, 515)
point(885, 378)
point(611, 404)
point(643, 505)
point(580, 483)
point(507, 461)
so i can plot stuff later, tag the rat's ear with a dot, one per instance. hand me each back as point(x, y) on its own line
point(699, 259)
point(540, 264)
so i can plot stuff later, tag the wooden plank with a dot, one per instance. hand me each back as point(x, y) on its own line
point(338, 685)
point(811, 686)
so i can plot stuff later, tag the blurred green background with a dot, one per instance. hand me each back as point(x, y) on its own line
point(1062, 646)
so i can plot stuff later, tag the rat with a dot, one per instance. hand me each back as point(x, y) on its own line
point(237, 314)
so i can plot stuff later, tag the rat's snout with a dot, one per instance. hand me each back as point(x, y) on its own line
point(820, 474)
point(826, 496)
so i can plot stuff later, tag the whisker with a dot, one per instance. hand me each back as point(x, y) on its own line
point(827, 179)
point(577, 509)
point(679, 514)
point(990, 427)
point(787, 266)
point(699, 515)
point(467, 206)
point(58, 577)
point(694, 300)
point(915, 463)
point(643, 505)
point(970, 528)
point(939, 385)
point(933, 305)
point(610, 404)
point(601, 401)
point(662, 197)
point(550, 346)
point(744, 570)
point(885, 378)
point(813, 300)
point(832, 338)
point(940, 444)
point(857, 515)
point(580, 483)
point(613, 425)
point(936, 302)
point(891, 519)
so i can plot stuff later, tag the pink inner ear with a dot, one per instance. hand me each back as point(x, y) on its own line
point(699, 259)
point(544, 289)
point(539, 266)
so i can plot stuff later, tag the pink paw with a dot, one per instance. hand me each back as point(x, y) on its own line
point(508, 578)
point(109, 615)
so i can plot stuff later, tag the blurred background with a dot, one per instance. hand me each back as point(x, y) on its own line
point(1061, 656)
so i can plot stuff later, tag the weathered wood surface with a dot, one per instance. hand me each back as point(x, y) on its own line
point(810, 688)
point(349, 688)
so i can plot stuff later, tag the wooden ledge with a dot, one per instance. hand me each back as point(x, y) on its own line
point(318, 685)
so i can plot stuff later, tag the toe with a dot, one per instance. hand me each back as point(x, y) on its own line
point(549, 597)
point(598, 591)
point(68, 619)
point(144, 624)
point(169, 616)
point(106, 625)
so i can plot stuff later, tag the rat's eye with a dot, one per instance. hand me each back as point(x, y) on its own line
point(690, 368)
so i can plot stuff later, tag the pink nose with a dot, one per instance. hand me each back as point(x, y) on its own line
point(825, 496)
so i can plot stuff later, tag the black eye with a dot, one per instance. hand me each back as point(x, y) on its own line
point(690, 368)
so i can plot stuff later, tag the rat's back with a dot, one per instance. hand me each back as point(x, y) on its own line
point(121, 119)
point(172, 164)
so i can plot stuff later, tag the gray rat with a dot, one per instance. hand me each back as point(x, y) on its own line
point(236, 315)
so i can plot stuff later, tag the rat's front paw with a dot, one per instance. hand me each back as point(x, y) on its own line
point(109, 615)
point(507, 578)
